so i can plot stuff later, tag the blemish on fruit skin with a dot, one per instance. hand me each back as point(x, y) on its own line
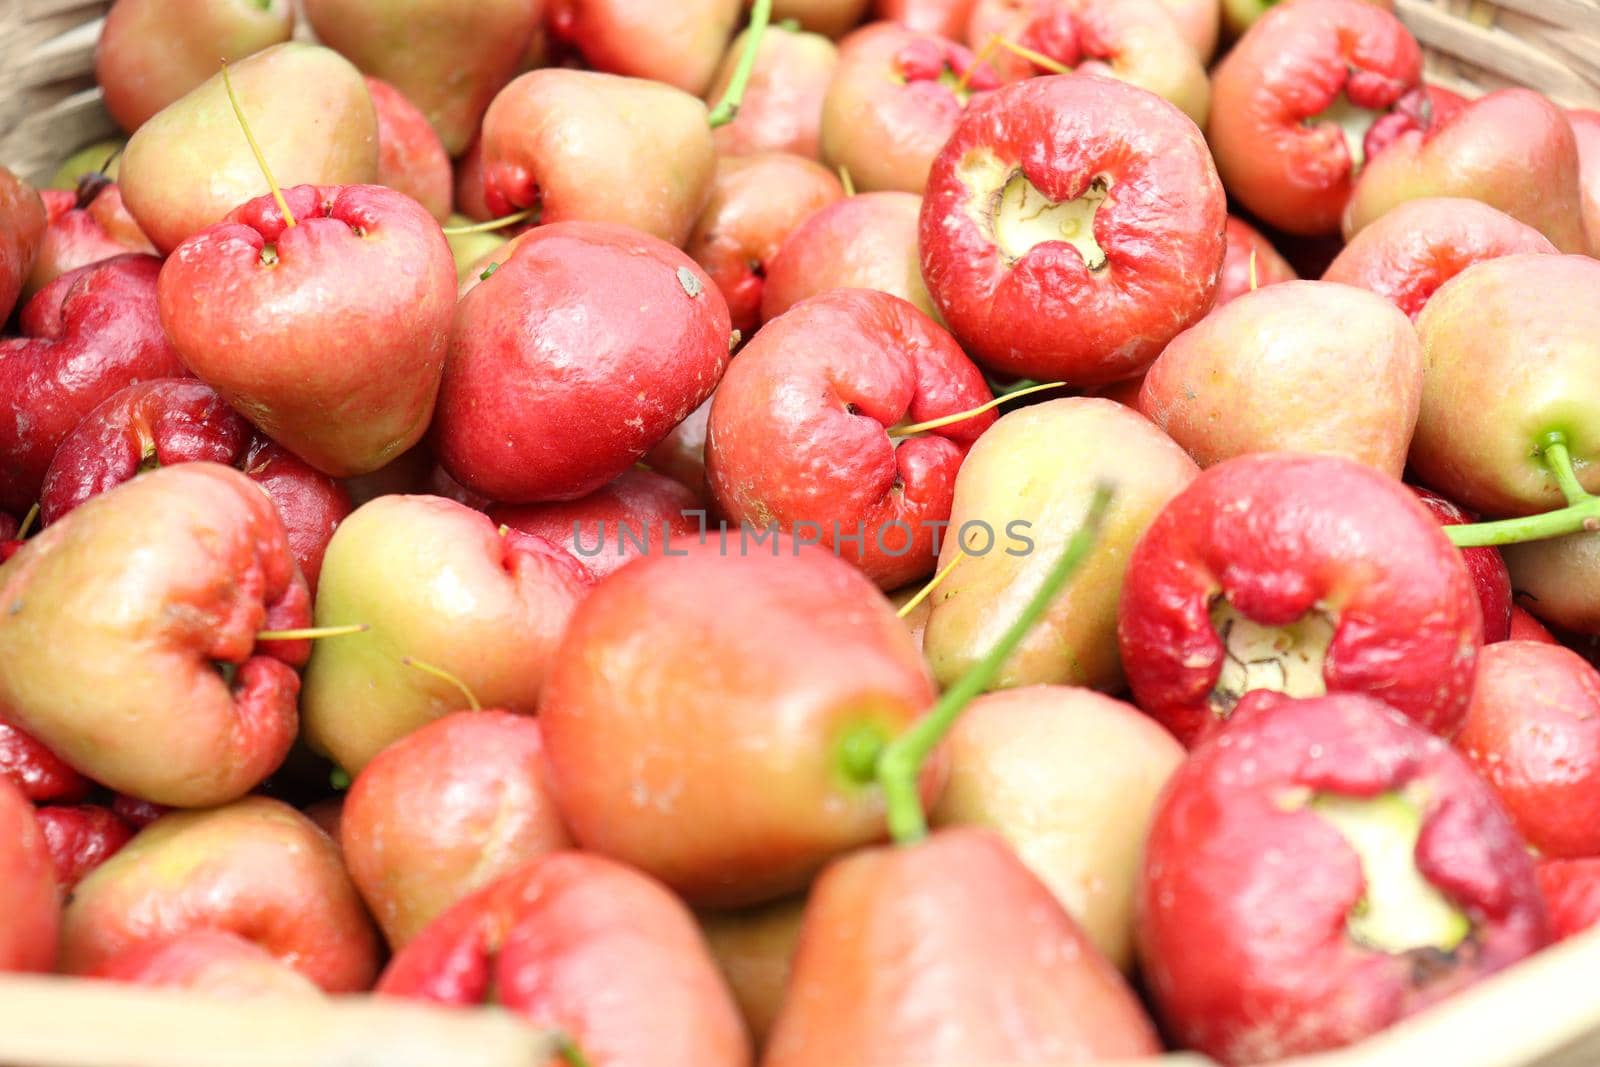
point(690, 283)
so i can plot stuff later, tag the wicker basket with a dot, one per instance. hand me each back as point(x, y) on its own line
point(1542, 1013)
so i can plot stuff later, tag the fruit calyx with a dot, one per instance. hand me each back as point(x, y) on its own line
point(1285, 659)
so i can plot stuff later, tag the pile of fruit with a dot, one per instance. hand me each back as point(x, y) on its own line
point(804, 536)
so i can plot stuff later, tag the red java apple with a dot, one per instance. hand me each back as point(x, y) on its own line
point(802, 428)
point(328, 335)
point(1533, 732)
point(411, 158)
point(756, 202)
point(128, 636)
point(87, 226)
point(1136, 41)
point(1420, 109)
point(895, 98)
point(639, 513)
point(1487, 567)
point(1301, 574)
point(1419, 245)
point(190, 165)
point(447, 57)
point(212, 963)
point(582, 146)
point(87, 334)
point(1250, 262)
point(1071, 228)
point(679, 44)
point(22, 229)
point(1319, 870)
point(444, 812)
point(1586, 127)
point(782, 106)
point(1293, 102)
point(946, 18)
point(256, 868)
point(949, 951)
point(152, 52)
point(471, 194)
point(30, 907)
point(179, 420)
point(586, 945)
point(1524, 627)
point(435, 580)
point(43, 777)
point(581, 317)
point(1513, 149)
point(1298, 367)
point(860, 242)
point(1513, 355)
point(1571, 891)
point(712, 750)
point(81, 838)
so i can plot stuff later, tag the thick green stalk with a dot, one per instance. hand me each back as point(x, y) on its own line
point(1581, 514)
point(727, 108)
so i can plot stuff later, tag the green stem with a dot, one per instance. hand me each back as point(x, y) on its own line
point(570, 1052)
point(1582, 513)
point(901, 763)
point(728, 107)
point(961, 416)
point(493, 224)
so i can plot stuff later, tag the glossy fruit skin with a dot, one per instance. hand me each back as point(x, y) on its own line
point(1572, 894)
point(947, 18)
point(86, 226)
point(445, 811)
point(1040, 465)
point(890, 106)
point(1288, 68)
point(30, 908)
point(310, 112)
point(1586, 127)
point(705, 751)
point(20, 237)
point(758, 200)
point(1513, 353)
point(1416, 247)
point(782, 106)
point(152, 52)
point(1557, 581)
point(590, 946)
point(1244, 902)
point(447, 58)
point(1487, 567)
point(582, 146)
point(1277, 534)
point(1244, 243)
point(866, 241)
point(336, 349)
point(1513, 149)
point(1048, 315)
point(256, 868)
point(43, 777)
point(411, 158)
point(1422, 108)
point(166, 421)
point(1533, 732)
point(81, 838)
point(638, 513)
point(954, 929)
point(1070, 778)
point(799, 430)
point(86, 335)
point(583, 317)
point(436, 580)
point(1300, 367)
point(1524, 627)
point(116, 621)
point(212, 963)
point(680, 45)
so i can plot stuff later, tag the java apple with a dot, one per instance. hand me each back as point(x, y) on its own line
point(22, 227)
point(328, 334)
point(1055, 238)
point(1586, 127)
point(80, 838)
point(1319, 870)
point(1572, 893)
point(681, 455)
point(802, 435)
point(1298, 367)
point(88, 225)
point(1022, 490)
point(128, 637)
point(946, 18)
point(679, 44)
point(411, 158)
point(861, 242)
point(782, 106)
point(1487, 567)
point(152, 52)
point(1304, 575)
point(830, 17)
point(30, 906)
point(190, 164)
point(1250, 263)
point(212, 963)
point(43, 776)
point(438, 582)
